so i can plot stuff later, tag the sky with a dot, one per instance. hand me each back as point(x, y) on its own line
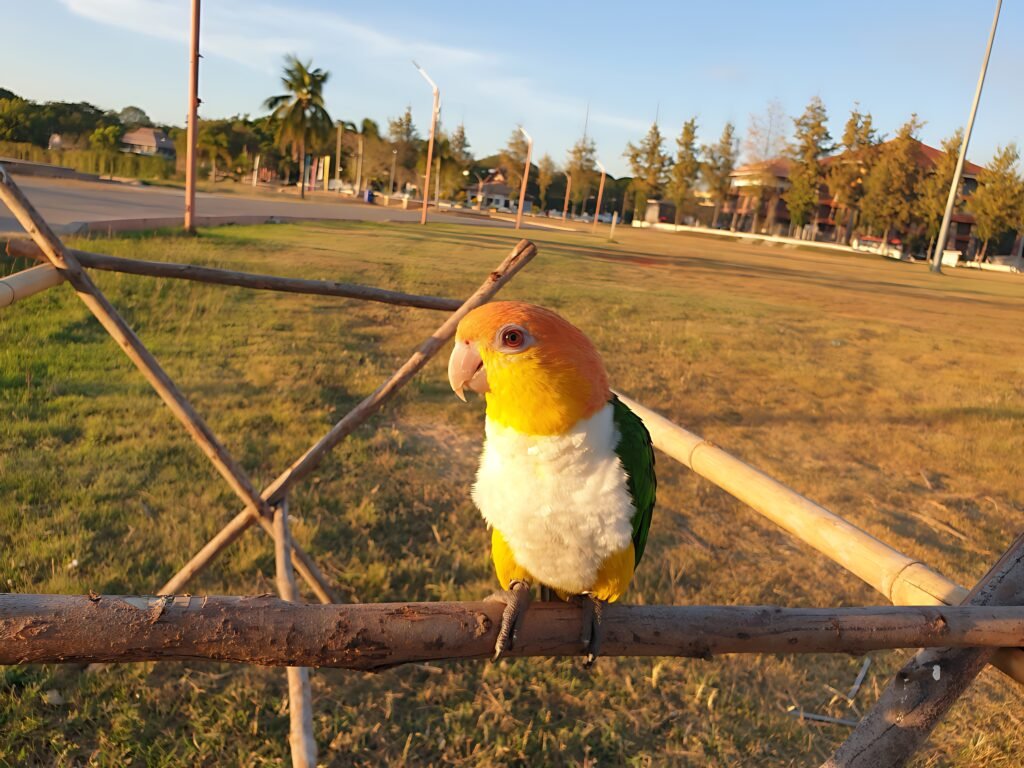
point(539, 64)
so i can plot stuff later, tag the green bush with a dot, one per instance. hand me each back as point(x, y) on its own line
point(92, 161)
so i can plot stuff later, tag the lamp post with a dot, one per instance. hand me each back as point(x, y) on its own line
point(430, 140)
point(526, 176)
point(568, 192)
point(600, 191)
point(337, 157)
point(193, 118)
point(394, 163)
point(940, 244)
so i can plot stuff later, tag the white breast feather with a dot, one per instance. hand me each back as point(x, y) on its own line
point(561, 502)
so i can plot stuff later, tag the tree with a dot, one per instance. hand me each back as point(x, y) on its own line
point(460, 146)
point(213, 140)
point(580, 165)
point(546, 170)
point(513, 159)
point(998, 202)
point(133, 117)
point(934, 188)
point(890, 189)
point(405, 139)
point(717, 167)
point(683, 176)
point(765, 142)
point(846, 173)
point(649, 165)
point(300, 113)
point(812, 142)
point(106, 142)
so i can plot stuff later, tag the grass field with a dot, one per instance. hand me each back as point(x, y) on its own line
point(891, 396)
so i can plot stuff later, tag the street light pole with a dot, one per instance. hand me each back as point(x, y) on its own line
point(600, 192)
point(337, 157)
point(430, 140)
point(526, 176)
point(394, 162)
point(193, 118)
point(940, 244)
point(568, 192)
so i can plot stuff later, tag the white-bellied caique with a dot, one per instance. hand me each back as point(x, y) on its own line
point(566, 479)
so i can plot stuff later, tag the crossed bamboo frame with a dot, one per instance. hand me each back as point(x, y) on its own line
point(898, 724)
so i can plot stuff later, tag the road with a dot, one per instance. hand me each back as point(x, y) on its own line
point(65, 204)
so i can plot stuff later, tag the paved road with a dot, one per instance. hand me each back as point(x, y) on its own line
point(67, 203)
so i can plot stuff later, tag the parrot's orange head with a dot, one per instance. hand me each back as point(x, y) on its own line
point(539, 373)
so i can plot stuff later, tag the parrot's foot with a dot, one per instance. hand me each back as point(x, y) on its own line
point(516, 599)
point(593, 630)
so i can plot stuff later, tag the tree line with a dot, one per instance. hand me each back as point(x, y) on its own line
point(876, 185)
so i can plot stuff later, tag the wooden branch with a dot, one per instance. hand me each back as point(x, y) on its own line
point(930, 683)
point(28, 250)
point(300, 696)
point(27, 283)
point(268, 631)
point(93, 298)
point(901, 579)
point(520, 256)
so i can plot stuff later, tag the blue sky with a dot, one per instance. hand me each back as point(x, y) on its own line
point(539, 64)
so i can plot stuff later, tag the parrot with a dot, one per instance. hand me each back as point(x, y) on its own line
point(566, 478)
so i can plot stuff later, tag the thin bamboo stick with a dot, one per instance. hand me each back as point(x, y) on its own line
point(143, 359)
point(300, 696)
point(27, 283)
point(268, 631)
point(26, 249)
point(901, 579)
point(520, 256)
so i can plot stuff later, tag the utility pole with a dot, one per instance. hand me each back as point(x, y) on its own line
point(193, 118)
point(526, 176)
point(940, 244)
point(337, 156)
point(430, 140)
point(568, 191)
point(600, 192)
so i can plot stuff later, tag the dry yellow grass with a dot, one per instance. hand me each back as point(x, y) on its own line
point(887, 394)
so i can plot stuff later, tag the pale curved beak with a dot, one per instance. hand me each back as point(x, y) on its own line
point(466, 370)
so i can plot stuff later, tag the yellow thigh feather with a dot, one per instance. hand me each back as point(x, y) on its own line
point(613, 576)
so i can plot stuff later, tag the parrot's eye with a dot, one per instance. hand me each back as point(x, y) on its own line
point(513, 338)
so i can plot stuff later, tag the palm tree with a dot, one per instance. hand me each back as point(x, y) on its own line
point(300, 114)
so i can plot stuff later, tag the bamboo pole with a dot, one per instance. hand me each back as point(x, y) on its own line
point(27, 283)
point(26, 249)
point(903, 580)
point(930, 683)
point(520, 256)
point(300, 696)
point(143, 359)
point(268, 631)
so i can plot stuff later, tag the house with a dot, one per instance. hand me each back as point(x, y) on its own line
point(148, 141)
point(494, 192)
point(756, 202)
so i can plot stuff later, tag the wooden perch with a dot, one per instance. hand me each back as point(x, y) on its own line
point(520, 256)
point(26, 249)
point(269, 631)
point(921, 693)
point(903, 580)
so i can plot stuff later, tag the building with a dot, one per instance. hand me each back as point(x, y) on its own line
point(494, 192)
point(148, 141)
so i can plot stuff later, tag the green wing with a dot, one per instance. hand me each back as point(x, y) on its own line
point(636, 453)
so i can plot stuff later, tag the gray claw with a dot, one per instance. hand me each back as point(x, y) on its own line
point(516, 599)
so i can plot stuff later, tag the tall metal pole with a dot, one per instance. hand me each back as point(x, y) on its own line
point(526, 176)
point(394, 166)
point(940, 244)
point(568, 191)
point(193, 118)
point(430, 140)
point(337, 157)
point(600, 192)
